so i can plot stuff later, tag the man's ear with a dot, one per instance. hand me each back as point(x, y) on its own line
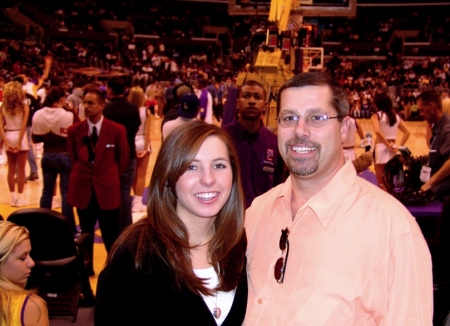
point(345, 126)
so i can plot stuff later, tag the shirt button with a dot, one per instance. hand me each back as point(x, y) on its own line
point(259, 301)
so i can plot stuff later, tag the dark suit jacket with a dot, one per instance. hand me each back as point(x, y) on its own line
point(111, 159)
point(119, 110)
point(126, 296)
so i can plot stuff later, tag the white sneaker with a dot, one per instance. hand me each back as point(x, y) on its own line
point(56, 202)
point(13, 202)
point(137, 206)
point(3, 160)
point(21, 202)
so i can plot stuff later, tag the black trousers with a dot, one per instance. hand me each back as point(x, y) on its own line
point(108, 221)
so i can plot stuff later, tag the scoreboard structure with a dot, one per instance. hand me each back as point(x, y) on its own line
point(306, 8)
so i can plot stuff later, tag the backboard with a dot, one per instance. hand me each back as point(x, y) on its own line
point(307, 8)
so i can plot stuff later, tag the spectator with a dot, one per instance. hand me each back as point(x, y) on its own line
point(187, 111)
point(34, 106)
point(50, 125)
point(261, 164)
point(385, 124)
point(121, 111)
point(206, 101)
point(332, 224)
point(190, 249)
point(99, 153)
point(17, 305)
point(143, 147)
point(13, 117)
point(76, 98)
point(430, 103)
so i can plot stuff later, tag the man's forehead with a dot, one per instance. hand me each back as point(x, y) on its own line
point(308, 99)
point(252, 89)
point(303, 95)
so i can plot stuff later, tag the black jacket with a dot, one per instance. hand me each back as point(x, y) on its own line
point(128, 297)
point(119, 110)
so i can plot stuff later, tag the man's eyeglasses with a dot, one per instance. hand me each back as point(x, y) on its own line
point(313, 120)
point(280, 265)
point(89, 102)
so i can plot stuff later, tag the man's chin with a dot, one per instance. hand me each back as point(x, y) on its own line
point(251, 118)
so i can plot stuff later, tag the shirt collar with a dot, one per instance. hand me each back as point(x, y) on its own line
point(324, 203)
point(98, 125)
point(438, 125)
point(244, 133)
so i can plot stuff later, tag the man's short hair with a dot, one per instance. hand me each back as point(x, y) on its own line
point(339, 98)
point(431, 96)
point(79, 82)
point(95, 90)
point(252, 82)
point(117, 85)
point(201, 83)
point(18, 79)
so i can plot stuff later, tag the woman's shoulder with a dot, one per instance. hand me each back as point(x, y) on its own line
point(134, 248)
point(35, 311)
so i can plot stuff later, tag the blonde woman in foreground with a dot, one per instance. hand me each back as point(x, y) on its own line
point(17, 305)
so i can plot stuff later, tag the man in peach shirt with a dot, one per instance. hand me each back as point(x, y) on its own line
point(327, 247)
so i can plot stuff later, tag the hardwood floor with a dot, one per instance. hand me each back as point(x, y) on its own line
point(416, 144)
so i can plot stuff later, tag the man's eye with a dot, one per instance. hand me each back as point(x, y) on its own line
point(318, 117)
point(289, 118)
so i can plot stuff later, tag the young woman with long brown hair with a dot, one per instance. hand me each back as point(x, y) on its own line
point(185, 263)
point(386, 123)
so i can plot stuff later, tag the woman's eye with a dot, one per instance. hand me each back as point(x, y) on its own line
point(220, 166)
point(192, 167)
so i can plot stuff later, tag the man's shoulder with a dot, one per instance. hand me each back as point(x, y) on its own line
point(77, 126)
point(231, 126)
point(267, 133)
point(113, 125)
point(120, 102)
point(382, 206)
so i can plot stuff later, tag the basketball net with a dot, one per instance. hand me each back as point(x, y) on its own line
point(295, 22)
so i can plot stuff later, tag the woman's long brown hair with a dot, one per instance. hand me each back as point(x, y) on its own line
point(164, 235)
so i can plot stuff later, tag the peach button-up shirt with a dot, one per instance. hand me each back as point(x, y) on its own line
point(356, 257)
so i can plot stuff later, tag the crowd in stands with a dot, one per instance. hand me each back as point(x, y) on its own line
point(154, 60)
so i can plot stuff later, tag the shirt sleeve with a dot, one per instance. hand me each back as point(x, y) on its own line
point(410, 285)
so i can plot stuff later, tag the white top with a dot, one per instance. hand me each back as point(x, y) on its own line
point(389, 132)
point(12, 122)
point(223, 300)
point(171, 125)
point(143, 116)
point(350, 140)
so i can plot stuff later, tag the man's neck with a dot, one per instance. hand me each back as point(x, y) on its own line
point(252, 126)
point(94, 121)
point(303, 188)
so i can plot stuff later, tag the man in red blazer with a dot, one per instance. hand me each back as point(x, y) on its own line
point(99, 152)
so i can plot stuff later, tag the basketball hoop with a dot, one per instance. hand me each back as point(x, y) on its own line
point(295, 22)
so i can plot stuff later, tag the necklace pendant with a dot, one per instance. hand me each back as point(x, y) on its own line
point(217, 312)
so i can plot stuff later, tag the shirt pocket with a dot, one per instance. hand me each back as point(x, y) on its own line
point(326, 298)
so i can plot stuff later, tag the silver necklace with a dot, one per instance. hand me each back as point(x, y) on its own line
point(216, 312)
